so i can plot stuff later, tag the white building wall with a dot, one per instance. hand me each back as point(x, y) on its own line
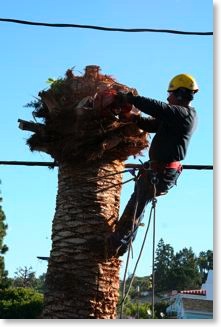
point(208, 286)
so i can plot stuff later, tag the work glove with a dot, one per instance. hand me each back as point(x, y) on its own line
point(122, 98)
point(131, 115)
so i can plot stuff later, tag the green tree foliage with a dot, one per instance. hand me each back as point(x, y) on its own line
point(25, 277)
point(20, 303)
point(163, 265)
point(40, 285)
point(144, 283)
point(3, 249)
point(185, 272)
point(205, 262)
point(137, 310)
point(160, 309)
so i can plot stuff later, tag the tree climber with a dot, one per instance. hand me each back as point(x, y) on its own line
point(174, 123)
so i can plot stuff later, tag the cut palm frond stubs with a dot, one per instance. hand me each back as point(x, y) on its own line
point(78, 123)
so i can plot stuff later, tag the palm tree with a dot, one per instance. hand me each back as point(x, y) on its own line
point(83, 134)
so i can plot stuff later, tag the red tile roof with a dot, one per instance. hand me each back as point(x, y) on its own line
point(194, 292)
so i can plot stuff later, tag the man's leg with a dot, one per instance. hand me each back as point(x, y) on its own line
point(126, 228)
point(167, 179)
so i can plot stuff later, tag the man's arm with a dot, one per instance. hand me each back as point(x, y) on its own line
point(155, 108)
point(146, 124)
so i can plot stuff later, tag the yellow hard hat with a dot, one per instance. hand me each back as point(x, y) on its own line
point(185, 81)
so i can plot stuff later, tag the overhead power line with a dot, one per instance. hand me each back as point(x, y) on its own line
point(199, 167)
point(28, 163)
point(54, 164)
point(102, 28)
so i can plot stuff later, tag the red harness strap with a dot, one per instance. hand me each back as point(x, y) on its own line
point(159, 166)
point(174, 165)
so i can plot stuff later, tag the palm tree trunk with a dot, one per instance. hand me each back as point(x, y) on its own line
point(79, 123)
point(82, 282)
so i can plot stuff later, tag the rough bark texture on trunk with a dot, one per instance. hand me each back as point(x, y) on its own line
point(82, 282)
point(83, 129)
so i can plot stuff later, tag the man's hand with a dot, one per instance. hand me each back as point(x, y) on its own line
point(121, 98)
point(131, 116)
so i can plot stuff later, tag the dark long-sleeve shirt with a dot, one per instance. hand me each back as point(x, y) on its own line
point(172, 124)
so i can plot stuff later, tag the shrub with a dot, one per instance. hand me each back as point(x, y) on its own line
point(20, 303)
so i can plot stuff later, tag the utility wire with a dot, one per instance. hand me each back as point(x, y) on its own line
point(204, 167)
point(102, 28)
point(28, 163)
point(54, 164)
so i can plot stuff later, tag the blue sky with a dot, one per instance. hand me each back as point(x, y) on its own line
point(145, 61)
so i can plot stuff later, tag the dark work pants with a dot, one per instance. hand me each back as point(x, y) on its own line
point(143, 193)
